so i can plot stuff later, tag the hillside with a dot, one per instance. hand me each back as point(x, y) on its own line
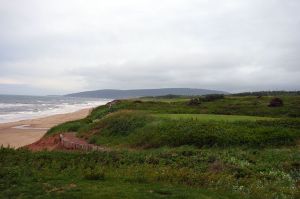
point(123, 94)
point(214, 147)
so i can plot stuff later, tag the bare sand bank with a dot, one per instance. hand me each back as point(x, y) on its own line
point(21, 133)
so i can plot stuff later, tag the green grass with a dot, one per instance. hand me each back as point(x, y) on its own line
point(236, 147)
point(250, 106)
point(214, 117)
point(72, 126)
point(183, 172)
point(114, 189)
point(140, 129)
point(236, 106)
point(166, 98)
point(208, 134)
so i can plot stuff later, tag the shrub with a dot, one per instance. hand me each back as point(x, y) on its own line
point(276, 102)
point(194, 102)
point(213, 97)
point(94, 174)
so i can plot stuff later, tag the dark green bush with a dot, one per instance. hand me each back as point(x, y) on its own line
point(194, 102)
point(94, 174)
point(212, 97)
point(276, 102)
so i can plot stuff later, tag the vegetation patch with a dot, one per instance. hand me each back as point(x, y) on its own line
point(212, 133)
point(184, 172)
point(122, 122)
point(214, 117)
point(94, 174)
point(276, 102)
point(161, 147)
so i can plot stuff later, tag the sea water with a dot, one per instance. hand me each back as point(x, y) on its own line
point(15, 108)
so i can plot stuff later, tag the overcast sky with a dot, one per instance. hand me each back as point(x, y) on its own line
point(62, 46)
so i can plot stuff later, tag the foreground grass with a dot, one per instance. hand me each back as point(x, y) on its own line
point(167, 172)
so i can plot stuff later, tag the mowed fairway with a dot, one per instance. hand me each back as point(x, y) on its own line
point(213, 117)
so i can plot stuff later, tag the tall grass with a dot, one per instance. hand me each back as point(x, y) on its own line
point(229, 173)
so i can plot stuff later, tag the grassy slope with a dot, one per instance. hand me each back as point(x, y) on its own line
point(139, 129)
point(245, 152)
point(215, 117)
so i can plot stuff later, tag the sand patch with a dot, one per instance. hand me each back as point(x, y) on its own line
point(21, 133)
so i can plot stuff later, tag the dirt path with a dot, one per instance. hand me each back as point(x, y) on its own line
point(65, 141)
point(18, 134)
point(70, 141)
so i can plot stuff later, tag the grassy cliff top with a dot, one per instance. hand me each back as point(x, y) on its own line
point(169, 147)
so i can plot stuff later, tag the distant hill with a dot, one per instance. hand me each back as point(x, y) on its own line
point(122, 94)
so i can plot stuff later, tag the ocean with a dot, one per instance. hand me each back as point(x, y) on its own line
point(15, 108)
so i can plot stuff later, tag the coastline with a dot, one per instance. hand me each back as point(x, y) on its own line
point(25, 132)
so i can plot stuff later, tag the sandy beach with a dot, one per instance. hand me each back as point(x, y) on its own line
point(21, 133)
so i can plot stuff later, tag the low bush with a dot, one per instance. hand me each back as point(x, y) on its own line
point(94, 174)
point(212, 97)
point(194, 102)
point(276, 102)
point(207, 98)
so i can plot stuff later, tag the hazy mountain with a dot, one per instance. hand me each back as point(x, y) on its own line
point(121, 94)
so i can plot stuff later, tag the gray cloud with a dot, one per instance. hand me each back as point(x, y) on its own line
point(218, 44)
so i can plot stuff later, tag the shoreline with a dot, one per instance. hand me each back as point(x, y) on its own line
point(25, 132)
